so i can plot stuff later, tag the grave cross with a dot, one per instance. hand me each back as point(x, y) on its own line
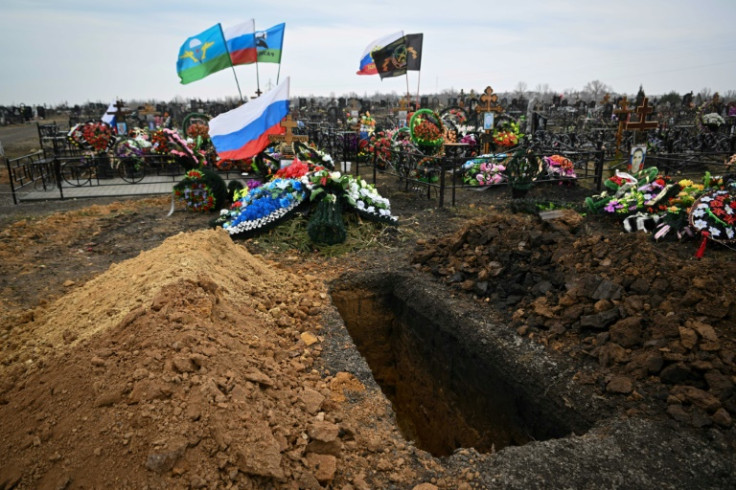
point(490, 104)
point(289, 137)
point(623, 120)
point(642, 125)
point(120, 112)
point(149, 109)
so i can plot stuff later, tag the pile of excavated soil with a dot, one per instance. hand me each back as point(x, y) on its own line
point(194, 364)
point(653, 325)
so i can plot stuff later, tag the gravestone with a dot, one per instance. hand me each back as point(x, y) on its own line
point(424, 101)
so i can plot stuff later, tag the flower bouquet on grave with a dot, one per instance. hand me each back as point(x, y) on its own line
point(169, 143)
point(559, 167)
point(426, 131)
point(296, 170)
point(131, 151)
point(379, 144)
point(93, 136)
point(481, 171)
point(712, 121)
point(714, 216)
point(263, 207)
point(507, 134)
point(617, 186)
point(201, 190)
point(313, 156)
point(355, 193)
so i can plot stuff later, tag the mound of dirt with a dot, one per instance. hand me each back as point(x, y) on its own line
point(191, 365)
point(645, 321)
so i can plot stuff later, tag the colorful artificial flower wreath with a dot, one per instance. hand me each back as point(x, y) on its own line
point(201, 190)
point(97, 136)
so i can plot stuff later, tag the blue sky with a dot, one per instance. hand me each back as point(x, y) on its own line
point(81, 50)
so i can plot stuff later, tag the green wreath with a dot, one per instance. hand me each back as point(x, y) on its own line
point(427, 130)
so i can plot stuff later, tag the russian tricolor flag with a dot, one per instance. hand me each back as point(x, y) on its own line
point(367, 65)
point(241, 42)
point(243, 132)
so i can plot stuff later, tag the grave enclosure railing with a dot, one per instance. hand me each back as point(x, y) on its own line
point(443, 174)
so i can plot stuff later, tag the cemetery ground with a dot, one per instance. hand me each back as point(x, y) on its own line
point(140, 350)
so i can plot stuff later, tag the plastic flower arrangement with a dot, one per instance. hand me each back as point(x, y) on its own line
point(714, 214)
point(559, 167)
point(367, 124)
point(713, 119)
point(458, 115)
point(130, 150)
point(483, 172)
point(201, 190)
point(380, 144)
point(198, 130)
point(507, 134)
point(426, 129)
point(358, 194)
point(168, 142)
point(296, 170)
point(96, 136)
point(313, 156)
point(678, 206)
point(263, 206)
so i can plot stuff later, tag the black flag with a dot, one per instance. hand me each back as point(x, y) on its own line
point(401, 55)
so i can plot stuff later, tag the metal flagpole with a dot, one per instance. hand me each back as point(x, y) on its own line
point(408, 93)
point(231, 62)
point(258, 80)
point(419, 77)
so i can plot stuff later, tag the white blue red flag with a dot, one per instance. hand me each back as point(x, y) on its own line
point(241, 42)
point(367, 65)
point(244, 132)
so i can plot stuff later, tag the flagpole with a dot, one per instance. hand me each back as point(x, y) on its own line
point(258, 79)
point(231, 62)
point(237, 83)
point(408, 93)
point(278, 73)
point(419, 77)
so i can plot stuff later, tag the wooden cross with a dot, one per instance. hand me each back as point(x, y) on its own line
point(119, 111)
point(643, 124)
point(623, 120)
point(149, 109)
point(490, 104)
point(289, 137)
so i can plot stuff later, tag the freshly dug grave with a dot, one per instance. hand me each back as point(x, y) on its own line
point(191, 365)
point(646, 321)
point(225, 332)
